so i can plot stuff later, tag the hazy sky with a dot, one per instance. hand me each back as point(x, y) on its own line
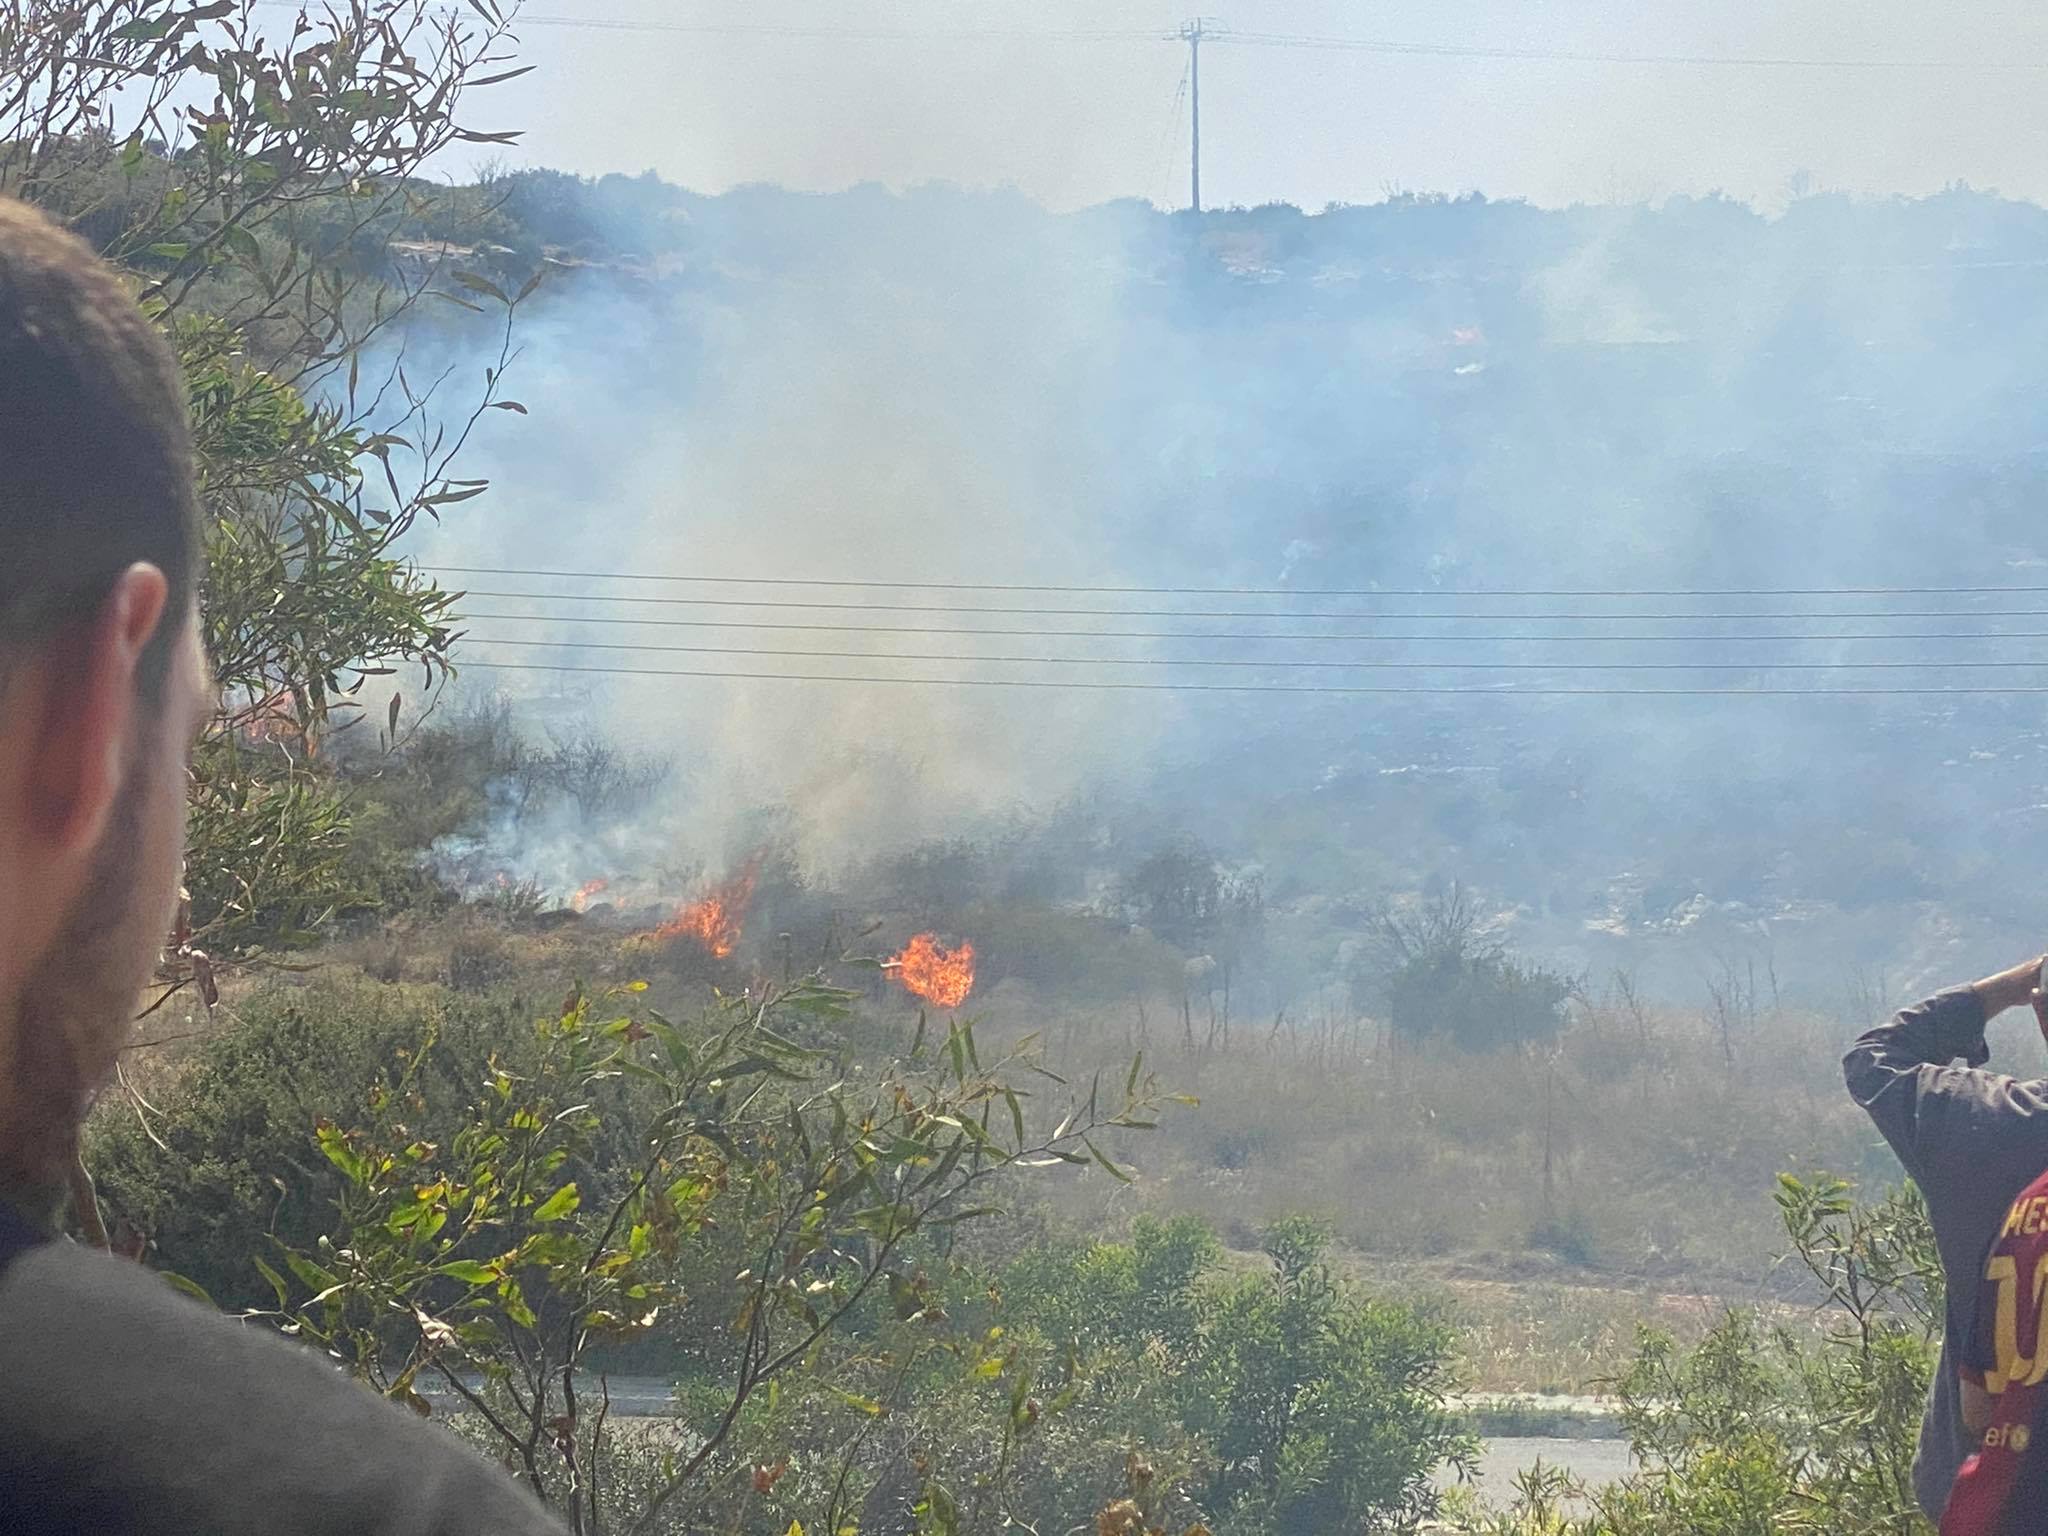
point(1075, 120)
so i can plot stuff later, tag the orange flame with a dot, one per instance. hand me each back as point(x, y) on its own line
point(941, 976)
point(589, 888)
point(275, 718)
point(714, 918)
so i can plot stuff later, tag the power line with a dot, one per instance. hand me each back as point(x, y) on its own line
point(1011, 586)
point(1377, 664)
point(1319, 688)
point(1169, 136)
point(1228, 613)
point(773, 30)
point(1339, 44)
point(1197, 634)
point(1192, 35)
point(1305, 41)
point(849, 34)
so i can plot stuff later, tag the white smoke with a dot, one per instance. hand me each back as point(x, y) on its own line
point(908, 401)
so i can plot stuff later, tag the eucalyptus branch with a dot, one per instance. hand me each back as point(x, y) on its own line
point(475, 1400)
point(597, 1451)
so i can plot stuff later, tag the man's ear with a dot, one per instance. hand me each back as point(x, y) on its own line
point(82, 707)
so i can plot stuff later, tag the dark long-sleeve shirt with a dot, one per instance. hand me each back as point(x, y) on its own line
point(1972, 1140)
point(128, 1410)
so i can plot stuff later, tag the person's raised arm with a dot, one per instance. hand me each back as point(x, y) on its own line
point(1901, 1072)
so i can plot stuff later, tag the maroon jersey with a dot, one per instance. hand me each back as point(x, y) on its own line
point(2002, 1489)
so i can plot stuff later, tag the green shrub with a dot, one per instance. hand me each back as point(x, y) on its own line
point(1092, 1297)
point(1569, 1234)
point(1441, 977)
point(1324, 1408)
point(223, 1159)
point(781, 1227)
point(1759, 1428)
point(1298, 1403)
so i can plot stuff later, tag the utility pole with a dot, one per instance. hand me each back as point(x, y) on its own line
point(1191, 32)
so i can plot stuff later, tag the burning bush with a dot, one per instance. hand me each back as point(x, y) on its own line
point(714, 919)
point(942, 977)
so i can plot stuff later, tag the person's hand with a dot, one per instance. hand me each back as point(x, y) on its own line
point(2010, 988)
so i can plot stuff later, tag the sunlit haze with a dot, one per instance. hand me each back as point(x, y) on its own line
point(737, 93)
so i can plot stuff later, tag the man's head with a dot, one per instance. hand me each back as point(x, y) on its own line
point(101, 682)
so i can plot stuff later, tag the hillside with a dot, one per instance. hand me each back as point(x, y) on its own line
point(1425, 396)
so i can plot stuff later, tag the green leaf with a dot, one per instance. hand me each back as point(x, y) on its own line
point(1109, 1167)
point(470, 1272)
point(1016, 1115)
point(334, 1145)
point(946, 1164)
point(277, 1283)
point(861, 1180)
point(447, 498)
point(945, 1515)
point(483, 285)
point(813, 1002)
point(510, 74)
point(561, 1203)
point(310, 1275)
point(972, 1213)
point(191, 1288)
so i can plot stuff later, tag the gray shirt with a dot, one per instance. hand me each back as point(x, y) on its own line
point(127, 1410)
point(1972, 1140)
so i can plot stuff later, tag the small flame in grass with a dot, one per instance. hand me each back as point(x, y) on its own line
point(941, 976)
point(275, 718)
point(714, 918)
point(589, 888)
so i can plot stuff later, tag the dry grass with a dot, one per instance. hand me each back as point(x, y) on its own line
point(1551, 1199)
point(1531, 1328)
point(1652, 1162)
